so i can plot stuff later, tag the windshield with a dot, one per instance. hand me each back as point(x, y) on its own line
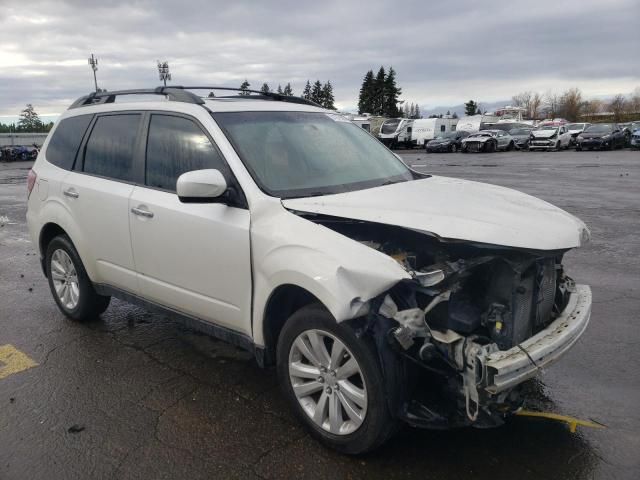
point(519, 131)
point(575, 126)
point(299, 154)
point(599, 128)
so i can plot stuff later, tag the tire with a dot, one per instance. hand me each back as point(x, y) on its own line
point(454, 148)
point(510, 147)
point(83, 305)
point(464, 149)
point(23, 156)
point(375, 425)
point(491, 147)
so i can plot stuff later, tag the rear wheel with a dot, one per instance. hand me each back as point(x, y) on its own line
point(333, 381)
point(490, 147)
point(69, 283)
point(511, 146)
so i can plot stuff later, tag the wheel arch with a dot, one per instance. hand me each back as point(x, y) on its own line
point(281, 304)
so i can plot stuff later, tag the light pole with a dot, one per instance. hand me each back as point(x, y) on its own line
point(93, 61)
point(163, 71)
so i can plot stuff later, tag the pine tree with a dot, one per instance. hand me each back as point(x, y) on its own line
point(378, 93)
point(471, 108)
point(244, 87)
point(327, 96)
point(391, 92)
point(448, 113)
point(29, 120)
point(365, 99)
point(412, 111)
point(406, 112)
point(316, 93)
point(288, 90)
point(279, 90)
point(306, 93)
point(416, 113)
point(265, 88)
point(455, 115)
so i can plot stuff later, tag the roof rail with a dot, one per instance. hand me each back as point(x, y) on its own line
point(260, 94)
point(176, 94)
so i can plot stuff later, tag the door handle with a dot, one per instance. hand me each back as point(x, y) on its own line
point(141, 212)
point(71, 193)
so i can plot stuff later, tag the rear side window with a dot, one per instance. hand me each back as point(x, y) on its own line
point(66, 140)
point(177, 145)
point(111, 145)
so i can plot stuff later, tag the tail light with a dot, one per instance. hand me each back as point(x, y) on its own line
point(31, 181)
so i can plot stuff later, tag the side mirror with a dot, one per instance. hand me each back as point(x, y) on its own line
point(201, 186)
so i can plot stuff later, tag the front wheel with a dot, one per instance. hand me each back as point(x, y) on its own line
point(69, 283)
point(333, 381)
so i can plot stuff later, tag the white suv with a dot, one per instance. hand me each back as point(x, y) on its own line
point(289, 231)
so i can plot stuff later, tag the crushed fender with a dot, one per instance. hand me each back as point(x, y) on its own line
point(571, 421)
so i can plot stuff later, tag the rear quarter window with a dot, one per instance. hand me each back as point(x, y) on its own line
point(66, 139)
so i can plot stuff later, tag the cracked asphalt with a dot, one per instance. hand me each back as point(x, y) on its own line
point(135, 395)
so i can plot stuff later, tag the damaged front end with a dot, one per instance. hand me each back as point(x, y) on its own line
point(474, 320)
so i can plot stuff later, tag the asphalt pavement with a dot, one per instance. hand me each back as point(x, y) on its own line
point(136, 395)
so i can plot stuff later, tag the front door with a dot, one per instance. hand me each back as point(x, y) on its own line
point(191, 257)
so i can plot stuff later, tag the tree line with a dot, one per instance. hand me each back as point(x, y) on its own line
point(320, 93)
point(379, 94)
point(572, 106)
point(28, 122)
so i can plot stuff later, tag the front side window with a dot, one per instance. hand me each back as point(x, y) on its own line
point(66, 140)
point(293, 154)
point(177, 145)
point(111, 146)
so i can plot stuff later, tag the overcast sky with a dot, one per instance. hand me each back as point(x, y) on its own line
point(444, 52)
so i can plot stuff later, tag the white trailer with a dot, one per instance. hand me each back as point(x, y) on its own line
point(425, 129)
point(396, 132)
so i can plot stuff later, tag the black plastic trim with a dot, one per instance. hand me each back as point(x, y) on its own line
point(230, 336)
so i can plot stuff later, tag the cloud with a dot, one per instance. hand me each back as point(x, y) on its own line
point(443, 53)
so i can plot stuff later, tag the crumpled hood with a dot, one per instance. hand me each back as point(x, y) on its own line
point(458, 210)
point(544, 133)
point(479, 138)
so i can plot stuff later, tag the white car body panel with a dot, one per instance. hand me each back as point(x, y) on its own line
point(456, 210)
point(102, 209)
point(194, 257)
point(290, 250)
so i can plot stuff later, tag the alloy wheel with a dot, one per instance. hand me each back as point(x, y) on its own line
point(65, 279)
point(328, 382)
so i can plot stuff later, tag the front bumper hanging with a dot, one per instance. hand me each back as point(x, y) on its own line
point(508, 368)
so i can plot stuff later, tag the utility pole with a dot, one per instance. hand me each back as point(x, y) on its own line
point(163, 71)
point(93, 61)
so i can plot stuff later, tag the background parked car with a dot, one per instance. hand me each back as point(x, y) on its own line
point(520, 136)
point(635, 135)
point(601, 136)
point(447, 142)
point(488, 141)
point(550, 137)
point(576, 129)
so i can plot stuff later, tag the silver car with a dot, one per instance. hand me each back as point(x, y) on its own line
point(488, 141)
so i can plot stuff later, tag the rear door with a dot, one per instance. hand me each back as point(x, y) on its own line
point(192, 257)
point(97, 194)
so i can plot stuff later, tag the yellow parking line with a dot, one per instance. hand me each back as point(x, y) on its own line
point(13, 361)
